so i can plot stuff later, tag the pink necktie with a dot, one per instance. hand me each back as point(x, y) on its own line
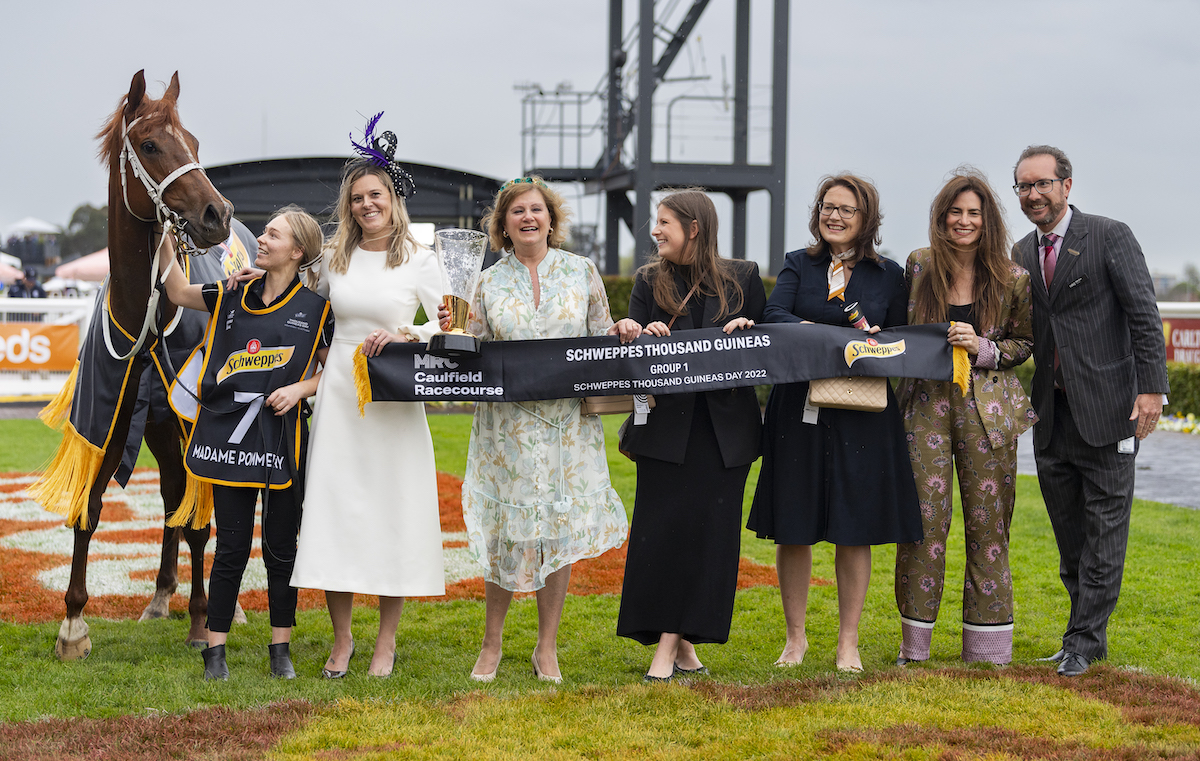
point(1048, 241)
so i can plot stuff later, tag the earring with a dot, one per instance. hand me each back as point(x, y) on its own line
point(551, 230)
point(505, 233)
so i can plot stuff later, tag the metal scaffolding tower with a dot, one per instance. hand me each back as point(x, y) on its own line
point(614, 177)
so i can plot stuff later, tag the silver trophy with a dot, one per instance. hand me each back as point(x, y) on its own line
point(460, 257)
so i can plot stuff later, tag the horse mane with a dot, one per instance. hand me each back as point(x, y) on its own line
point(155, 112)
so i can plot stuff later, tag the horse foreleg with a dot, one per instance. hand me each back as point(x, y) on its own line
point(167, 580)
point(197, 540)
point(73, 641)
point(163, 439)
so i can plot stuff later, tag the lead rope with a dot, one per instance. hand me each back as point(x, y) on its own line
point(148, 321)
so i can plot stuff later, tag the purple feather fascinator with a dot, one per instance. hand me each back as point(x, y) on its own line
point(381, 152)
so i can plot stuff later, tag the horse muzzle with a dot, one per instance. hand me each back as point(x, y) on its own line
point(209, 226)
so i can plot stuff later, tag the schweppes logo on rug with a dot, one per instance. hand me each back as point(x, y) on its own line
point(255, 358)
point(856, 350)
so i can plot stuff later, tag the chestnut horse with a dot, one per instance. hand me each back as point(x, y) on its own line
point(154, 182)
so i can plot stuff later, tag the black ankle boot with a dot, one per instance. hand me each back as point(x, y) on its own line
point(214, 663)
point(281, 661)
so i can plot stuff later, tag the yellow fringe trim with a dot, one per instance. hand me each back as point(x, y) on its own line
point(962, 369)
point(197, 504)
point(58, 410)
point(362, 382)
point(66, 482)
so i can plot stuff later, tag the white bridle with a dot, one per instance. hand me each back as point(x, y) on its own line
point(156, 190)
point(172, 224)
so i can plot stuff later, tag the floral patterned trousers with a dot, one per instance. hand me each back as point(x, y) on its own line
point(945, 435)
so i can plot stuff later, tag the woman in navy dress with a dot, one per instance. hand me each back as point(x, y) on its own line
point(844, 478)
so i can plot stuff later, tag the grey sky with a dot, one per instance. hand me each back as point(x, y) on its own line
point(899, 90)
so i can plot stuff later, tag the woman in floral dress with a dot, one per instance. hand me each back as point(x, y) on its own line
point(966, 278)
point(537, 497)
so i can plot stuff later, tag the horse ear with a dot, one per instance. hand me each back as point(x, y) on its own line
point(172, 93)
point(137, 91)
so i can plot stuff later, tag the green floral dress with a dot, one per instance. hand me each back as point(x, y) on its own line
point(537, 496)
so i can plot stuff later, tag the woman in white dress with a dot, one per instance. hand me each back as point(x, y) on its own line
point(537, 496)
point(370, 521)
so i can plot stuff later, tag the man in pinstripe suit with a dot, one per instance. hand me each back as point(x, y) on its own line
point(1098, 388)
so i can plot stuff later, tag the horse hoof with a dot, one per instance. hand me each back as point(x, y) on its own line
point(73, 651)
point(199, 644)
point(159, 607)
point(239, 615)
point(73, 643)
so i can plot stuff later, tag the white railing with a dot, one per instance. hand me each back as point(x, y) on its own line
point(50, 311)
point(1179, 309)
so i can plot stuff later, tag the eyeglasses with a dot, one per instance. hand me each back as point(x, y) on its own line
point(1043, 187)
point(844, 212)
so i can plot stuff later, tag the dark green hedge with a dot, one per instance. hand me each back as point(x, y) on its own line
point(620, 286)
point(1184, 379)
point(1185, 389)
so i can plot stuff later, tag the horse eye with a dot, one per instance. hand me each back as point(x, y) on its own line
point(149, 147)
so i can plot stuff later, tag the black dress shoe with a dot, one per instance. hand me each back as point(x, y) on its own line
point(214, 663)
point(1072, 664)
point(677, 669)
point(902, 661)
point(281, 661)
point(1056, 658)
point(649, 678)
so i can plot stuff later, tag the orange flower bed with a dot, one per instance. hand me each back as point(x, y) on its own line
point(26, 599)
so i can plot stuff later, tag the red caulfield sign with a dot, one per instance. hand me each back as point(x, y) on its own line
point(1183, 339)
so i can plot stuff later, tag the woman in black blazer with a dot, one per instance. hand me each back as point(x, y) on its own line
point(694, 451)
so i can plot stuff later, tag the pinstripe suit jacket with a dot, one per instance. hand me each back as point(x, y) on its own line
point(1101, 315)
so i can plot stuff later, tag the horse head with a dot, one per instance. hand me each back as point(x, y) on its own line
point(155, 160)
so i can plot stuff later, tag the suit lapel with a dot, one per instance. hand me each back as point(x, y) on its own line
point(1074, 246)
point(1027, 250)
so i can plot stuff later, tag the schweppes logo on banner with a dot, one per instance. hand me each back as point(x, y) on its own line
point(856, 350)
point(255, 358)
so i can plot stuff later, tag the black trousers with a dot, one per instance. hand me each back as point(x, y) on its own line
point(1089, 496)
point(233, 508)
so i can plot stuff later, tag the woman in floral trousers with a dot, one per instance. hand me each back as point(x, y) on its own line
point(966, 278)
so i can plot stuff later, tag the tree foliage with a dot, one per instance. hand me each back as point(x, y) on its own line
point(86, 232)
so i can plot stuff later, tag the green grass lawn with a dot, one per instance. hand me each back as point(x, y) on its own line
point(136, 666)
point(144, 674)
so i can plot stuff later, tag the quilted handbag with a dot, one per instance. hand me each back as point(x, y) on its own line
point(610, 405)
point(861, 394)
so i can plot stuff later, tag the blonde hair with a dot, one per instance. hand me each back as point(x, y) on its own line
point(306, 236)
point(349, 235)
point(493, 218)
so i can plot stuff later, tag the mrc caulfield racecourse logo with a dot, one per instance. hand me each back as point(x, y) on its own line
point(255, 358)
point(856, 350)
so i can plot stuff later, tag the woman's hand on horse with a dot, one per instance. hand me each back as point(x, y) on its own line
point(243, 275)
point(283, 399)
point(376, 340)
point(657, 328)
point(737, 323)
point(626, 329)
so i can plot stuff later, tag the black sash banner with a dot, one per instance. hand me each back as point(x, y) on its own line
point(684, 362)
